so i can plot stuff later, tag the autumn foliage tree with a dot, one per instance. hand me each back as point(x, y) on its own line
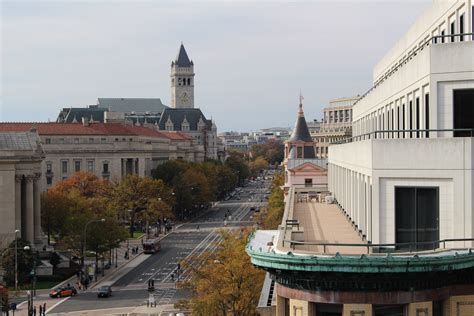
point(225, 284)
point(142, 197)
point(71, 203)
point(271, 215)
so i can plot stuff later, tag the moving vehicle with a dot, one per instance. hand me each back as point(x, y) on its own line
point(63, 291)
point(104, 291)
point(151, 246)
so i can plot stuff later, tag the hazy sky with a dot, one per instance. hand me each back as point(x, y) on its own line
point(251, 58)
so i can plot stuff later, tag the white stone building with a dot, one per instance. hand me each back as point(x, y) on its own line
point(407, 173)
point(336, 125)
point(110, 150)
point(20, 175)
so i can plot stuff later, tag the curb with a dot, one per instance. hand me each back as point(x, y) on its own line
point(120, 267)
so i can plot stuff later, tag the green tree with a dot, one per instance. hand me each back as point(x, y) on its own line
point(271, 215)
point(25, 262)
point(237, 164)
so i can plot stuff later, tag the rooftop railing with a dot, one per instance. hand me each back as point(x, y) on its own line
point(407, 134)
point(395, 248)
point(438, 39)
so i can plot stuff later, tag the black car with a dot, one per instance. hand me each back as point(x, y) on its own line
point(104, 291)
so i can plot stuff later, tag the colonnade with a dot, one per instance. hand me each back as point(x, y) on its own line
point(28, 206)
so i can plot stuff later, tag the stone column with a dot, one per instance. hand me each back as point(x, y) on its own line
point(29, 206)
point(37, 206)
point(18, 179)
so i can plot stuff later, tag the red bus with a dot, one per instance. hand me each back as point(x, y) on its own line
point(151, 246)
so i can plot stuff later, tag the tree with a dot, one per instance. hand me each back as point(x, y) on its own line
point(25, 262)
point(85, 183)
point(227, 282)
point(142, 197)
point(258, 165)
point(237, 164)
point(192, 189)
point(270, 216)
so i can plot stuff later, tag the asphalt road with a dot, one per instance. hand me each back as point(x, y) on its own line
point(191, 241)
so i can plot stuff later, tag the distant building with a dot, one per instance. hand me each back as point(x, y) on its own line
point(21, 156)
point(302, 168)
point(109, 150)
point(181, 116)
point(335, 126)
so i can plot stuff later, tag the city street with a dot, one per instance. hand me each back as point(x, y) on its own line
point(189, 241)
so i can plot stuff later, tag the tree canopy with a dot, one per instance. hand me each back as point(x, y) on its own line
point(225, 284)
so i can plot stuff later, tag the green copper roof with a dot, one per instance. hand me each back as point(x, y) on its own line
point(266, 257)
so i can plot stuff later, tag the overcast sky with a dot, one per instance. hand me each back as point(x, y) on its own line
point(251, 58)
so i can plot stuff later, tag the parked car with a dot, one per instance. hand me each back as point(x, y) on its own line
point(104, 291)
point(63, 291)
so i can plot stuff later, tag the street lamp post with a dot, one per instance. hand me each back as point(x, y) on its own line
point(85, 240)
point(16, 259)
point(32, 291)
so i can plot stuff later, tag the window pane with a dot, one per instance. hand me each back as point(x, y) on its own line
point(405, 219)
point(427, 216)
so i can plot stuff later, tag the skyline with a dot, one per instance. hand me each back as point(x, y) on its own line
point(236, 48)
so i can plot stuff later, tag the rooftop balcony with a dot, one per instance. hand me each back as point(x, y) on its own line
point(317, 247)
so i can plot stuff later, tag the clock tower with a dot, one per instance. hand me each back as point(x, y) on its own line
point(182, 81)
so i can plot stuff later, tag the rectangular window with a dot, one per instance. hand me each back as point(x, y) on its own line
point(91, 140)
point(461, 27)
point(463, 112)
point(453, 27)
point(410, 125)
point(403, 118)
point(64, 166)
point(308, 182)
point(61, 140)
point(393, 126)
point(427, 114)
point(48, 140)
point(442, 36)
point(76, 140)
point(417, 104)
point(416, 217)
point(49, 180)
point(103, 140)
point(77, 165)
point(299, 152)
point(90, 165)
point(105, 167)
point(398, 121)
point(49, 167)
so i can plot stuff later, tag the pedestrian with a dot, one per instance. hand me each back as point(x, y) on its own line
point(44, 309)
point(41, 310)
point(34, 310)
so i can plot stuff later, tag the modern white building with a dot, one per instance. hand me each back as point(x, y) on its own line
point(407, 174)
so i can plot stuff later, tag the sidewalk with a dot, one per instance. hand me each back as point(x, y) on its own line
point(42, 296)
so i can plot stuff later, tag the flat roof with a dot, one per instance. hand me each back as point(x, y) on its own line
point(325, 223)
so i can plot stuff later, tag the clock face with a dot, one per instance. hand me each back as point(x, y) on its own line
point(184, 97)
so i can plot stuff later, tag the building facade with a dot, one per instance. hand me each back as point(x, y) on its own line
point(335, 126)
point(21, 156)
point(398, 240)
point(109, 150)
point(302, 168)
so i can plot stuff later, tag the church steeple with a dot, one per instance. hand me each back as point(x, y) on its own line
point(182, 81)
